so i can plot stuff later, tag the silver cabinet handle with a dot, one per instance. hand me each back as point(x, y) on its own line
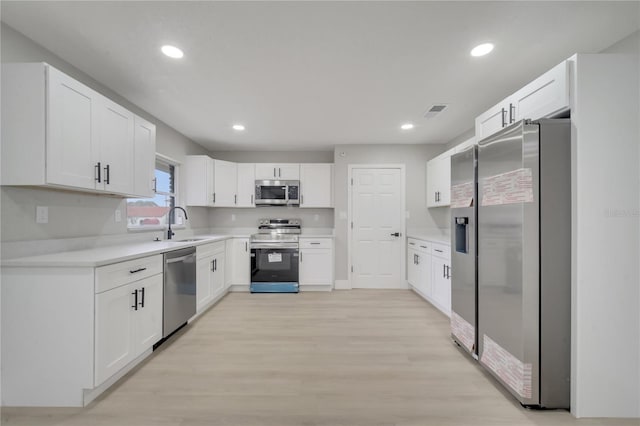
point(300, 257)
point(142, 297)
point(235, 198)
point(214, 197)
point(274, 172)
point(279, 172)
point(135, 300)
point(444, 271)
point(98, 168)
point(251, 198)
point(213, 268)
point(503, 112)
point(512, 113)
point(301, 199)
point(245, 246)
point(107, 174)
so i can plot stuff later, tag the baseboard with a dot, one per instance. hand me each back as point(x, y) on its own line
point(343, 285)
point(315, 288)
point(239, 288)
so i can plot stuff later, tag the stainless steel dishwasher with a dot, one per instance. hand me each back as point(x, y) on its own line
point(179, 289)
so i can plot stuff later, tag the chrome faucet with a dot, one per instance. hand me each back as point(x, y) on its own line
point(170, 233)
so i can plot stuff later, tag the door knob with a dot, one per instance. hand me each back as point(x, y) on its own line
point(396, 234)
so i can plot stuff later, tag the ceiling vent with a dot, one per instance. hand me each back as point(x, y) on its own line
point(435, 110)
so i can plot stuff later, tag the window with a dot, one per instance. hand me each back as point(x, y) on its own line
point(151, 213)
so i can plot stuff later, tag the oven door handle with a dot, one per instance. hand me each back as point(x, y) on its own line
point(274, 245)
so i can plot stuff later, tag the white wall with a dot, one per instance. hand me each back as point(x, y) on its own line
point(415, 159)
point(74, 214)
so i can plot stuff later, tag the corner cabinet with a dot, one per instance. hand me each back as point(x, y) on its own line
point(546, 96)
point(59, 133)
point(86, 328)
point(210, 183)
point(315, 263)
point(316, 185)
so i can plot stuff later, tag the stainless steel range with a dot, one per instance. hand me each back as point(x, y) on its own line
point(274, 256)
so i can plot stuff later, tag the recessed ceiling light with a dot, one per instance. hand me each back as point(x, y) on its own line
point(407, 126)
point(238, 127)
point(172, 51)
point(482, 49)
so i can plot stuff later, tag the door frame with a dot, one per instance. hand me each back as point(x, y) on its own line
point(403, 203)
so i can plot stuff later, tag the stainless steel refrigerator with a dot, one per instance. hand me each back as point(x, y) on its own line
point(464, 290)
point(524, 260)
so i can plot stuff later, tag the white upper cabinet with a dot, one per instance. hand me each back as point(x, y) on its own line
point(265, 171)
point(439, 180)
point(246, 185)
point(72, 139)
point(116, 148)
point(316, 185)
point(546, 96)
point(464, 145)
point(224, 183)
point(144, 157)
point(58, 132)
point(198, 173)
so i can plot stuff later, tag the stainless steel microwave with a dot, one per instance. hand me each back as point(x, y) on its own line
point(277, 192)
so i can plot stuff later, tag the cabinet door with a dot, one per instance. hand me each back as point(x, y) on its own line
point(543, 97)
point(204, 277)
point(113, 343)
point(316, 185)
point(225, 183)
point(288, 171)
point(217, 278)
point(147, 324)
point(491, 121)
point(444, 181)
point(266, 171)
point(315, 267)
point(72, 132)
point(246, 185)
point(144, 158)
point(198, 172)
point(413, 272)
point(241, 262)
point(433, 177)
point(441, 281)
point(116, 147)
point(423, 261)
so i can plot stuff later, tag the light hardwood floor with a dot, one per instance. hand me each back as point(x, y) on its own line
point(360, 357)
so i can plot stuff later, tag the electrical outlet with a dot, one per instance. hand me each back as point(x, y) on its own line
point(42, 214)
point(118, 216)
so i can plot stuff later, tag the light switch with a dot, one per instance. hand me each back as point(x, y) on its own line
point(42, 214)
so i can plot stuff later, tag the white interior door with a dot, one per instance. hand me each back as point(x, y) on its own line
point(377, 209)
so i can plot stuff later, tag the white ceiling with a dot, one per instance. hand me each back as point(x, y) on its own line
point(310, 75)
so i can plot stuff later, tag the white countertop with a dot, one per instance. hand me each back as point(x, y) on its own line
point(101, 256)
point(435, 236)
point(110, 254)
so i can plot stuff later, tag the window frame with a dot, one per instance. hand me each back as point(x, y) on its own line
point(176, 196)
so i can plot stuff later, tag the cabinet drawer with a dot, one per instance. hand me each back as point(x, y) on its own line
point(419, 245)
point(315, 243)
point(117, 274)
point(441, 250)
point(205, 250)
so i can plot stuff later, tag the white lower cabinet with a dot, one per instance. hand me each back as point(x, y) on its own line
point(429, 272)
point(441, 279)
point(85, 328)
point(210, 275)
point(315, 263)
point(128, 322)
point(419, 266)
point(238, 262)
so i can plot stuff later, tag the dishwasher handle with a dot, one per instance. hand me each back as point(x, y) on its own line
point(179, 259)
